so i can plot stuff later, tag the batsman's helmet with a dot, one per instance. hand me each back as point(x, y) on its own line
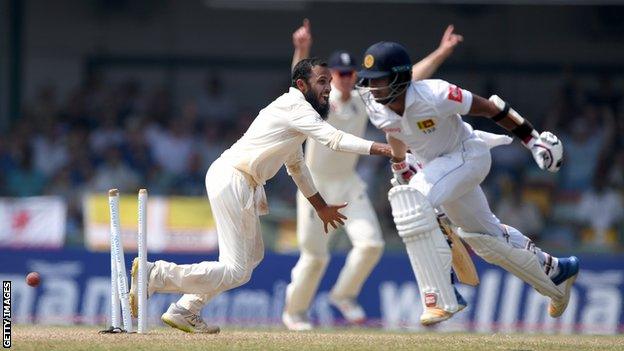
point(386, 59)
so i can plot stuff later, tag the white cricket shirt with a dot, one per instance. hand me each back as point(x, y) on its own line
point(276, 135)
point(431, 125)
point(350, 117)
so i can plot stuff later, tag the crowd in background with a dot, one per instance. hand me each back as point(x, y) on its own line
point(126, 136)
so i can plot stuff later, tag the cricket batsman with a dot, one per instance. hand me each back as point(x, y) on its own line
point(234, 183)
point(425, 117)
point(335, 176)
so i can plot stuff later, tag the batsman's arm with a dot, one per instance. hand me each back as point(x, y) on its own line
point(398, 148)
point(302, 42)
point(546, 148)
point(505, 117)
point(402, 171)
point(426, 67)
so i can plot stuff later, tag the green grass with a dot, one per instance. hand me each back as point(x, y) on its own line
point(87, 338)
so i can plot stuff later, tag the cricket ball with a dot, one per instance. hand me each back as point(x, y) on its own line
point(33, 279)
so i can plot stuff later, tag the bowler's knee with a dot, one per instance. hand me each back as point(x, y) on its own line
point(258, 257)
point(237, 276)
point(313, 261)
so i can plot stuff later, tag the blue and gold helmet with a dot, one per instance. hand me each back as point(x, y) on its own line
point(386, 59)
point(383, 59)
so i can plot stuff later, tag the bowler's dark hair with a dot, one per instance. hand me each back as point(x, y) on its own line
point(303, 69)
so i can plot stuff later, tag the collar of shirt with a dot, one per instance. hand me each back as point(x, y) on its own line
point(410, 99)
point(410, 95)
point(296, 93)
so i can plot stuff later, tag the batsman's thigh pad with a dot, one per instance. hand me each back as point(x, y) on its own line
point(522, 263)
point(446, 178)
point(428, 251)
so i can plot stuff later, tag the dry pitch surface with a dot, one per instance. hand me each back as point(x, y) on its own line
point(87, 338)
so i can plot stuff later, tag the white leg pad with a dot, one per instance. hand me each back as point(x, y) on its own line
point(428, 251)
point(524, 264)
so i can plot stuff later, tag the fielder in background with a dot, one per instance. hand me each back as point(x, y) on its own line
point(234, 183)
point(425, 117)
point(335, 176)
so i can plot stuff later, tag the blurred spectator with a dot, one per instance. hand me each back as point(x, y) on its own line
point(136, 152)
point(44, 109)
point(6, 161)
point(50, 149)
point(160, 106)
point(515, 211)
point(214, 103)
point(510, 159)
point(160, 182)
point(209, 145)
point(107, 134)
point(600, 208)
point(192, 182)
point(24, 179)
point(605, 95)
point(616, 174)
point(62, 185)
point(114, 173)
point(588, 136)
point(128, 100)
point(75, 112)
point(172, 148)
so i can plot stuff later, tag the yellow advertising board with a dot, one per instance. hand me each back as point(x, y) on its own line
point(174, 224)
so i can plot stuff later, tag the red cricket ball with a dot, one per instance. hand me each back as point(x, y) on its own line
point(33, 279)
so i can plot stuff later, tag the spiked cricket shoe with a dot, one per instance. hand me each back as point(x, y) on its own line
point(180, 318)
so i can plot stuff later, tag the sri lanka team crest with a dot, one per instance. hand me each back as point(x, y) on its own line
point(427, 126)
point(369, 60)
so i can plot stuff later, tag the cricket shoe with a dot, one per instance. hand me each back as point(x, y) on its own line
point(568, 272)
point(350, 309)
point(134, 284)
point(297, 321)
point(434, 315)
point(187, 321)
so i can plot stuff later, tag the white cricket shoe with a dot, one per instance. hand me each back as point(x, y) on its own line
point(434, 315)
point(350, 309)
point(134, 284)
point(185, 320)
point(296, 322)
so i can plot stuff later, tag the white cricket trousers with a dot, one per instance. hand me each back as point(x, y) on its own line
point(452, 181)
point(240, 243)
point(362, 227)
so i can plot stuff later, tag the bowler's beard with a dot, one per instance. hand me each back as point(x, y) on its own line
point(322, 109)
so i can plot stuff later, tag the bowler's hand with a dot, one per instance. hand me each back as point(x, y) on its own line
point(329, 215)
point(450, 40)
point(302, 37)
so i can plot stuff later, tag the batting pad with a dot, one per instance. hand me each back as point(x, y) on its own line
point(428, 251)
point(524, 264)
